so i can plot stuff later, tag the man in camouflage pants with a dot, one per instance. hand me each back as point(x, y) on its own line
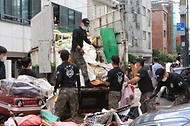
point(79, 35)
point(67, 76)
point(145, 86)
point(175, 84)
point(114, 80)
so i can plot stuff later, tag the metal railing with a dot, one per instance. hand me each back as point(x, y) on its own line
point(14, 19)
point(66, 28)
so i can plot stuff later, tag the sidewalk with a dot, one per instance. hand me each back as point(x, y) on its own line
point(164, 103)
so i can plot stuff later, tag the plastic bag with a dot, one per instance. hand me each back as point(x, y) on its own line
point(44, 85)
point(26, 77)
point(63, 124)
point(30, 120)
point(94, 118)
point(20, 88)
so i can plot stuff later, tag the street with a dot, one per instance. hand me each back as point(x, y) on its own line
point(163, 102)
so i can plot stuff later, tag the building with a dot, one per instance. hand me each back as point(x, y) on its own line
point(15, 16)
point(137, 19)
point(139, 28)
point(159, 27)
point(171, 7)
point(97, 8)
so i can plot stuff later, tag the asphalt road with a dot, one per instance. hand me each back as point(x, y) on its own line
point(163, 101)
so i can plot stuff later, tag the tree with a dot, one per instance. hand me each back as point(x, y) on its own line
point(163, 56)
point(132, 57)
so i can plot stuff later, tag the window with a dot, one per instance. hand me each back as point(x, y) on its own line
point(164, 17)
point(144, 11)
point(149, 18)
point(2, 7)
point(144, 35)
point(149, 40)
point(16, 5)
point(25, 8)
point(19, 10)
point(71, 17)
point(164, 33)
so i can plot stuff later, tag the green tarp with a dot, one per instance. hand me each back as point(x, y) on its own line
point(109, 43)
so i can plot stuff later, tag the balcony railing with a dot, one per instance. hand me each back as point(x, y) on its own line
point(14, 19)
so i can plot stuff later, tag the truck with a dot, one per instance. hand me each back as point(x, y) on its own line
point(45, 51)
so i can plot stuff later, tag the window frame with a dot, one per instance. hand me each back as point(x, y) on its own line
point(144, 35)
point(164, 14)
point(144, 10)
point(165, 35)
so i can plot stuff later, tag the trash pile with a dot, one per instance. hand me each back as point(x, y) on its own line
point(95, 68)
point(121, 116)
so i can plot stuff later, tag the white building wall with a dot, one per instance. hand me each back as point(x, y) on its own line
point(79, 5)
point(15, 37)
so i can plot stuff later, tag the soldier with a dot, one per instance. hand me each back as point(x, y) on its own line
point(175, 83)
point(67, 76)
point(79, 35)
point(115, 80)
point(145, 86)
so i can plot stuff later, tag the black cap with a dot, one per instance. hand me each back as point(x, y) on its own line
point(159, 74)
point(64, 55)
point(141, 61)
point(86, 21)
point(115, 59)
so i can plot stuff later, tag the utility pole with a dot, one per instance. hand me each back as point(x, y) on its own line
point(184, 44)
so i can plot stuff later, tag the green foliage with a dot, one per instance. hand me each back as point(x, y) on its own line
point(163, 56)
point(132, 57)
point(178, 48)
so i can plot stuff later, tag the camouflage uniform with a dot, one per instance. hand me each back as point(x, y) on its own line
point(114, 98)
point(181, 99)
point(149, 105)
point(78, 59)
point(67, 94)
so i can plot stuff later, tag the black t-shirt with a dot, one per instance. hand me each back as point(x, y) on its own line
point(28, 72)
point(145, 83)
point(175, 83)
point(66, 75)
point(78, 36)
point(115, 78)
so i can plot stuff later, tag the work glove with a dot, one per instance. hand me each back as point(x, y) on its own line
point(95, 46)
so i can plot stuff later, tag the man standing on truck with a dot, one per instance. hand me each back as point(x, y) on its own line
point(3, 57)
point(145, 86)
point(115, 80)
point(79, 35)
point(67, 76)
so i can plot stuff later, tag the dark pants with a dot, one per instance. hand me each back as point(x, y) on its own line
point(70, 95)
point(80, 62)
point(149, 105)
point(114, 98)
